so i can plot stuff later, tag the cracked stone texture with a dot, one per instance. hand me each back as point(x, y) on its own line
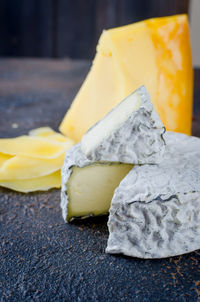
point(41, 257)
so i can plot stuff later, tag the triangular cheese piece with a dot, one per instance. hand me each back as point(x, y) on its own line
point(130, 133)
point(155, 53)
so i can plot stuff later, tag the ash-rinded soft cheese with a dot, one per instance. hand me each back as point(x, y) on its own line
point(155, 211)
point(88, 187)
point(130, 133)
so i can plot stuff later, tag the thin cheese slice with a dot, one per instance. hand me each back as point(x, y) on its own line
point(4, 158)
point(20, 167)
point(36, 184)
point(50, 133)
point(36, 147)
point(31, 163)
point(61, 138)
point(42, 132)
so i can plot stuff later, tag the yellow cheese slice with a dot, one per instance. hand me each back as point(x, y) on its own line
point(36, 184)
point(155, 53)
point(50, 133)
point(34, 160)
point(62, 139)
point(20, 167)
point(42, 131)
point(4, 158)
point(30, 146)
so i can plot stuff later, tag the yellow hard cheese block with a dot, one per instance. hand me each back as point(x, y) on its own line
point(35, 184)
point(174, 98)
point(155, 53)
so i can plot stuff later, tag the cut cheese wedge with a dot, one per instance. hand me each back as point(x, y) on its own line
point(43, 183)
point(155, 53)
point(130, 133)
point(88, 187)
point(30, 146)
point(155, 211)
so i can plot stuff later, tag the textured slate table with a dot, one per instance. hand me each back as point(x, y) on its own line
point(41, 257)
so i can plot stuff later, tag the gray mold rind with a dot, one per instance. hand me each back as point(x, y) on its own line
point(138, 141)
point(155, 211)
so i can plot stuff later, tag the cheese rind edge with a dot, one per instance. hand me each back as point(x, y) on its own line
point(132, 132)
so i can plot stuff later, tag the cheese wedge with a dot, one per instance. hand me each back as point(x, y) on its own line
point(155, 53)
point(88, 187)
point(155, 211)
point(30, 146)
point(130, 133)
point(43, 183)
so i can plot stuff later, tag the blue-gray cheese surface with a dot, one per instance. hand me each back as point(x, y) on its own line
point(130, 133)
point(155, 211)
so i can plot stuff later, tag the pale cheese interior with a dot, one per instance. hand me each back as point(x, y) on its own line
point(113, 120)
point(90, 189)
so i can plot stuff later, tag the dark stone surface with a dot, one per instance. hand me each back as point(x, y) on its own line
point(41, 257)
